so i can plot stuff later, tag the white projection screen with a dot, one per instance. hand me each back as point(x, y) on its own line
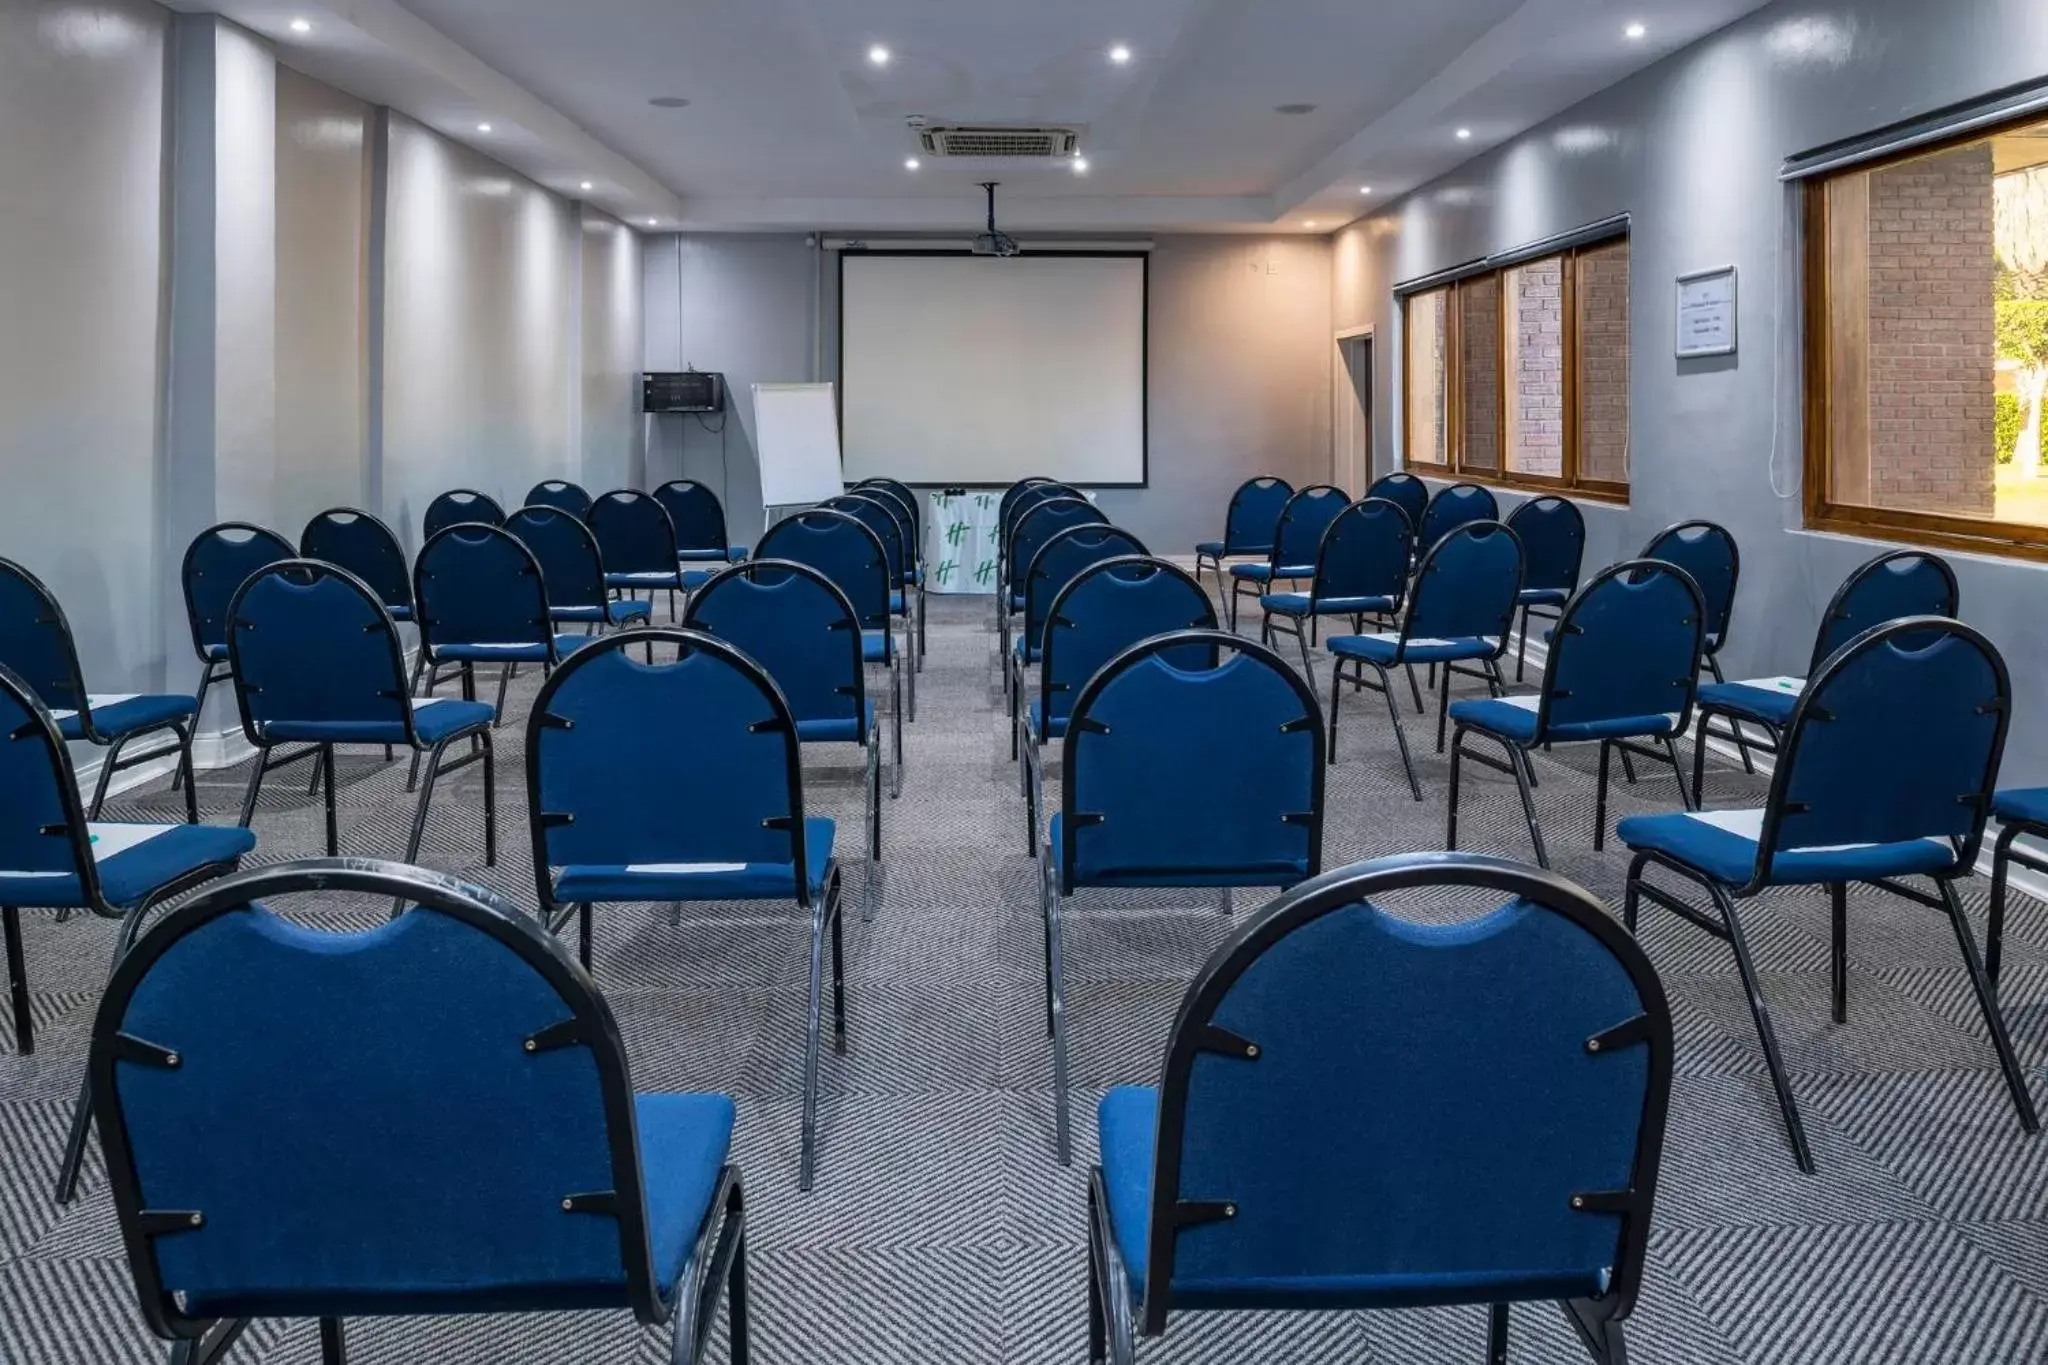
point(959, 370)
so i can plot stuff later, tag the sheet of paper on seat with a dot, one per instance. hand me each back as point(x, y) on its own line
point(421, 703)
point(1775, 684)
point(98, 701)
point(1749, 824)
point(673, 869)
point(108, 840)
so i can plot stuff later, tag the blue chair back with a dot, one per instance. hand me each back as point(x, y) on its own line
point(609, 733)
point(1254, 517)
point(1405, 491)
point(1626, 650)
point(878, 512)
point(459, 505)
point(633, 532)
point(1105, 609)
point(386, 1120)
point(365, 547)
point(1466, 585)
point(1553, 534)
point(1458, 505)
point(1707, 552)
point(1038, 524)
point(480, 585)
point(1010, 496)
point(906, 499)
point(1180, 777)
point(36, 643)
point(1896, 583)
point(1299, 536)
point(217, 562)
point(311, 646)
point(1898, 736)
point(844, 549)
point(697, 515)
point(570, 565)
point(1067, 553)
point(791, 620)
point(1025, 502)
point(572, 498)
point(42, 821)
point(1365, 552)
point(1401, 1113)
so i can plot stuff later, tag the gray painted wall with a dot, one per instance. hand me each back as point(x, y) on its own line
point(1240, 365)
point(610, 400)
point(1691, 148)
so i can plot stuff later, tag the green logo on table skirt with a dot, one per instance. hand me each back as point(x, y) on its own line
point(985, 571)
point(947, 568)
point(982, 502)
point(956, 532)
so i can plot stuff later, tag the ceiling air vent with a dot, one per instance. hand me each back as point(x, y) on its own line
point(980, 140)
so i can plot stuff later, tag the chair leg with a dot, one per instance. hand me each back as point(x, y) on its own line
point(198, 714)
point(1451, 805)
point(504, 681)
point(1838, 949)
point(1628, 768)
point(333, 1342)
point(17, 981)
point(323, 766)
point(211, 1348)
point(838, 918)
point(1528, 807)
point(1678, 773)
point(184, 771)
point(1336, 690)
point(583, 934)
point(896, 717)
point(1522, 648)
point(255, 785)
point(736, 1304)
point(813, 1028)
point(1987, 1001)
point(1057, 996)
point(419, 815)
point(913, 683)
point(1443, 708)
point(1308, 670)
point(1795, 1131)
point(1497, 1334)
point(1734, 725)
point(1600, 798)
point(1699, 764)
point(1098, 1334)
point(2001, 869)
point(1414, 689)
point(99, 790)
point(1400, 731)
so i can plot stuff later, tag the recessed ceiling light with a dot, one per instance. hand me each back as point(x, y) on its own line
point(1310, 223)
point(654, 222)
point(1365, 189)
point(1294, 108)
point(302, 26)
point(669, 102)
point(1120, 54)
point(878, 55)
point(1080, 165)
point(1635, 31)
point(483, 127)
point(1464, 135)
point(911, 163)
point(588, 186)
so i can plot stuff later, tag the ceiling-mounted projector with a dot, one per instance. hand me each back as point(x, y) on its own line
point(992, 242)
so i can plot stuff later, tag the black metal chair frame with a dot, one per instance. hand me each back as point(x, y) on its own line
point(914, 521)
point(1017, 670)
point(1006, 568)
point(1304, 629)
point(1728, 927)
point(1114, 1321)
point(1540, 610)
point(913, 596)
point(1711, 654)
point(428, 664)
point(214, 670)
point(1241, 588)
point(1007, 520)
point(717, 1261)
point(1214, 563)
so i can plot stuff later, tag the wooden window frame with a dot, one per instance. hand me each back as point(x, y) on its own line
point(1570, 481)
point(1983, 535)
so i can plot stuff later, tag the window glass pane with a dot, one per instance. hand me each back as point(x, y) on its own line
point(1428, 390)
point(1479, 374)
point(1534, 365)
point(1601, 287)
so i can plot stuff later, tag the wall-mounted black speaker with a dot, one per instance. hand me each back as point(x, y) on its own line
point(688, 391)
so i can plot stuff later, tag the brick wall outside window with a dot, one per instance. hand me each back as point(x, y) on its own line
point(1536, 368)
point(1603, 363)
point(1479, 342)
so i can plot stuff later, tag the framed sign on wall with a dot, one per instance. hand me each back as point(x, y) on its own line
point(1706, 313)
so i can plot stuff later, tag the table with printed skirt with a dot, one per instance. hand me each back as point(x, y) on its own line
point(960, 542)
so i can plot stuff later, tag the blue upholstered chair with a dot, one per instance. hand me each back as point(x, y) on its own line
point(638, 544)
point(1459, 504)
point(1037, 522)
point(1405, 491)
point(459, 505)
point(1062, 556)
point(1622, 669)
point(572, 498)
point(1027, 500)
point(57, 858)
point(1894, 584)
point(1708, 552)
point(37, 644)
point(1885, 773)
point(902, 498)
point(699, 518)
point(1102, 611)
point(605, 743)
point(217, 562)
point(573, 569)
point(431, 1117)
point(1180, 777)
point(1361, 570)
point(483, 600)
point(881, 514)
point(1248, 525)
point(1297, 537)
point(1553, 533)
point(852, 556)
point(1358, 1111)
point(365, 547)
point(796, 624)
point(1461, 608)
point(317, 663)
point(1009, 500)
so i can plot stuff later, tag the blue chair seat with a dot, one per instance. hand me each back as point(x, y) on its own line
point(1039, 731)
point(1271, 874)
point(914, 574)
point(693, 579)
point(1128, 1121)
point(646, 578)
point(896, 601)
point(1770, 701)
point(684, 1142)
point(1211, 548)
point(1383, 648)
point(874, 647)
point(217, 653)
point(1027, 652)
point(434, 719)
point(1723, 843)
point(1016, 601)
point(529, 652)
point(117, 717)
point(705, 881)
point(133, 859)
point(1514, 718)
point(2028, 804)
point(838, 729)
point(1543, 597)
point(1263, 573)
point(1298, 604)
point(612, 613)
point(731, 554)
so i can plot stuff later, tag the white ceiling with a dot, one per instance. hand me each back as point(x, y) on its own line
point(789, 126)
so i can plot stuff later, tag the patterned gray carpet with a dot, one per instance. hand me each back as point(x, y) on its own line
point(941, 1228)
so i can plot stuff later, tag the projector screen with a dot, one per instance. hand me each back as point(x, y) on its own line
point(982, 370)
